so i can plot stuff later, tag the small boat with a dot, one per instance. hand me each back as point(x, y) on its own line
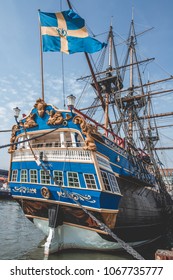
point(84, 183)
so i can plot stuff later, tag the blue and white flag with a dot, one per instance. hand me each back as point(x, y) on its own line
point(66, 32)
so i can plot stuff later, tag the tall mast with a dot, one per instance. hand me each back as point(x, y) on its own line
point(110, 45)
point(131, 54)
point(99, 94)
point(110, 41)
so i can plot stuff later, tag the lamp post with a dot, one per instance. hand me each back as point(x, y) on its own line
point(16, 114)
point(71, 101)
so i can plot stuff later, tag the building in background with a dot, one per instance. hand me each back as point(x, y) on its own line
point(3, 173)
point(167, 175)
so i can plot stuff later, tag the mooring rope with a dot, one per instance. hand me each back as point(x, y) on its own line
point(101, 225)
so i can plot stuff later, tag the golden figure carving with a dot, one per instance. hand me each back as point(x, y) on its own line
point(13, 139)
point(55, 117)
point(87, 129)
point(40, 105)
point(89, 142)
point(82, 122)
point(68, 117)
point(45, 192)
point(29, 122)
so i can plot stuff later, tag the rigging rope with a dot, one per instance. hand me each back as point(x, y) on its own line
point(106, 229)
point(101, 225)
point(27, 140)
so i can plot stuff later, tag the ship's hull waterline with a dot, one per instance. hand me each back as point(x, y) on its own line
point(138, 221)
point(71, 237)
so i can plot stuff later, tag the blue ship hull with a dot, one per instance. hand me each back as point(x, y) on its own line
point(70, 168)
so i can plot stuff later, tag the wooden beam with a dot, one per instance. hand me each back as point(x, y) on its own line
point(163, 148)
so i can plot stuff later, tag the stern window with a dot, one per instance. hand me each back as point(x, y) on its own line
point(105, 180)
point(58, 176)
point(14, 175)
point(73, 180)
point(23, 175)
point(33, 176)
point(45, 177)
point(90, 181)
point(114, 183)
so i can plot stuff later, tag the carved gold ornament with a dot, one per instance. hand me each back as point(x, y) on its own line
point(29, 121)
point(40, 105)
point(55, 117)
point(13, 139)
point(82, 122)
point(67, 117)
point(45, 192)
point(87, 129)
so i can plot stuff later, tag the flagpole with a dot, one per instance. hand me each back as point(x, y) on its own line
point(41, 60)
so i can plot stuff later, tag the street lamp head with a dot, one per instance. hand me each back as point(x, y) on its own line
point(71, 101)
point(16, 112)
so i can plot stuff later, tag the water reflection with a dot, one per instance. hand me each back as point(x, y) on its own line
point(17, 234)
point(20, 239)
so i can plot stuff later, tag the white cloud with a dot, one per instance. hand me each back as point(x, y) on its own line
point(22, 91)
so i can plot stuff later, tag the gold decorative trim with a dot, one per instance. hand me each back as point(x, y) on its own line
point(29, 121)
point(87, 129)
point(45, 192)
point(40, 105)
point(13, 139)
point(68, 117)
point(55, 117)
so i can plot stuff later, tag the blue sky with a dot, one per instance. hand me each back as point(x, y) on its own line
point(20, 58)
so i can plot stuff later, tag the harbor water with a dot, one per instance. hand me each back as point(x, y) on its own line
point(20, 239)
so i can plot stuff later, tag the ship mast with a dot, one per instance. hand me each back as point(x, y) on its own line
point(131, 54)
point(110, 41)
point(98, 90)
point(108, 82)
point(103, 89)
point(127, 104)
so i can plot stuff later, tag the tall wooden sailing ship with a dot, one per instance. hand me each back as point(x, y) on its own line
point(72, 174)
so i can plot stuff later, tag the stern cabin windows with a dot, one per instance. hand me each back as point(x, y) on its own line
point(14, 175)
point(90, 181)
point(23, 176)
point(105, 180)
point(60, 139)
point(58, 176)
point(45, 177)
point(110, 182)
point(33, 176)
point(113, 183)
point(73, 179)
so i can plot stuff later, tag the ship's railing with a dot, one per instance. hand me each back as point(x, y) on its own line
point(57, 144)
point(54, 155)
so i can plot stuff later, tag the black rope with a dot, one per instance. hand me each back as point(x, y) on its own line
point(27, 140)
